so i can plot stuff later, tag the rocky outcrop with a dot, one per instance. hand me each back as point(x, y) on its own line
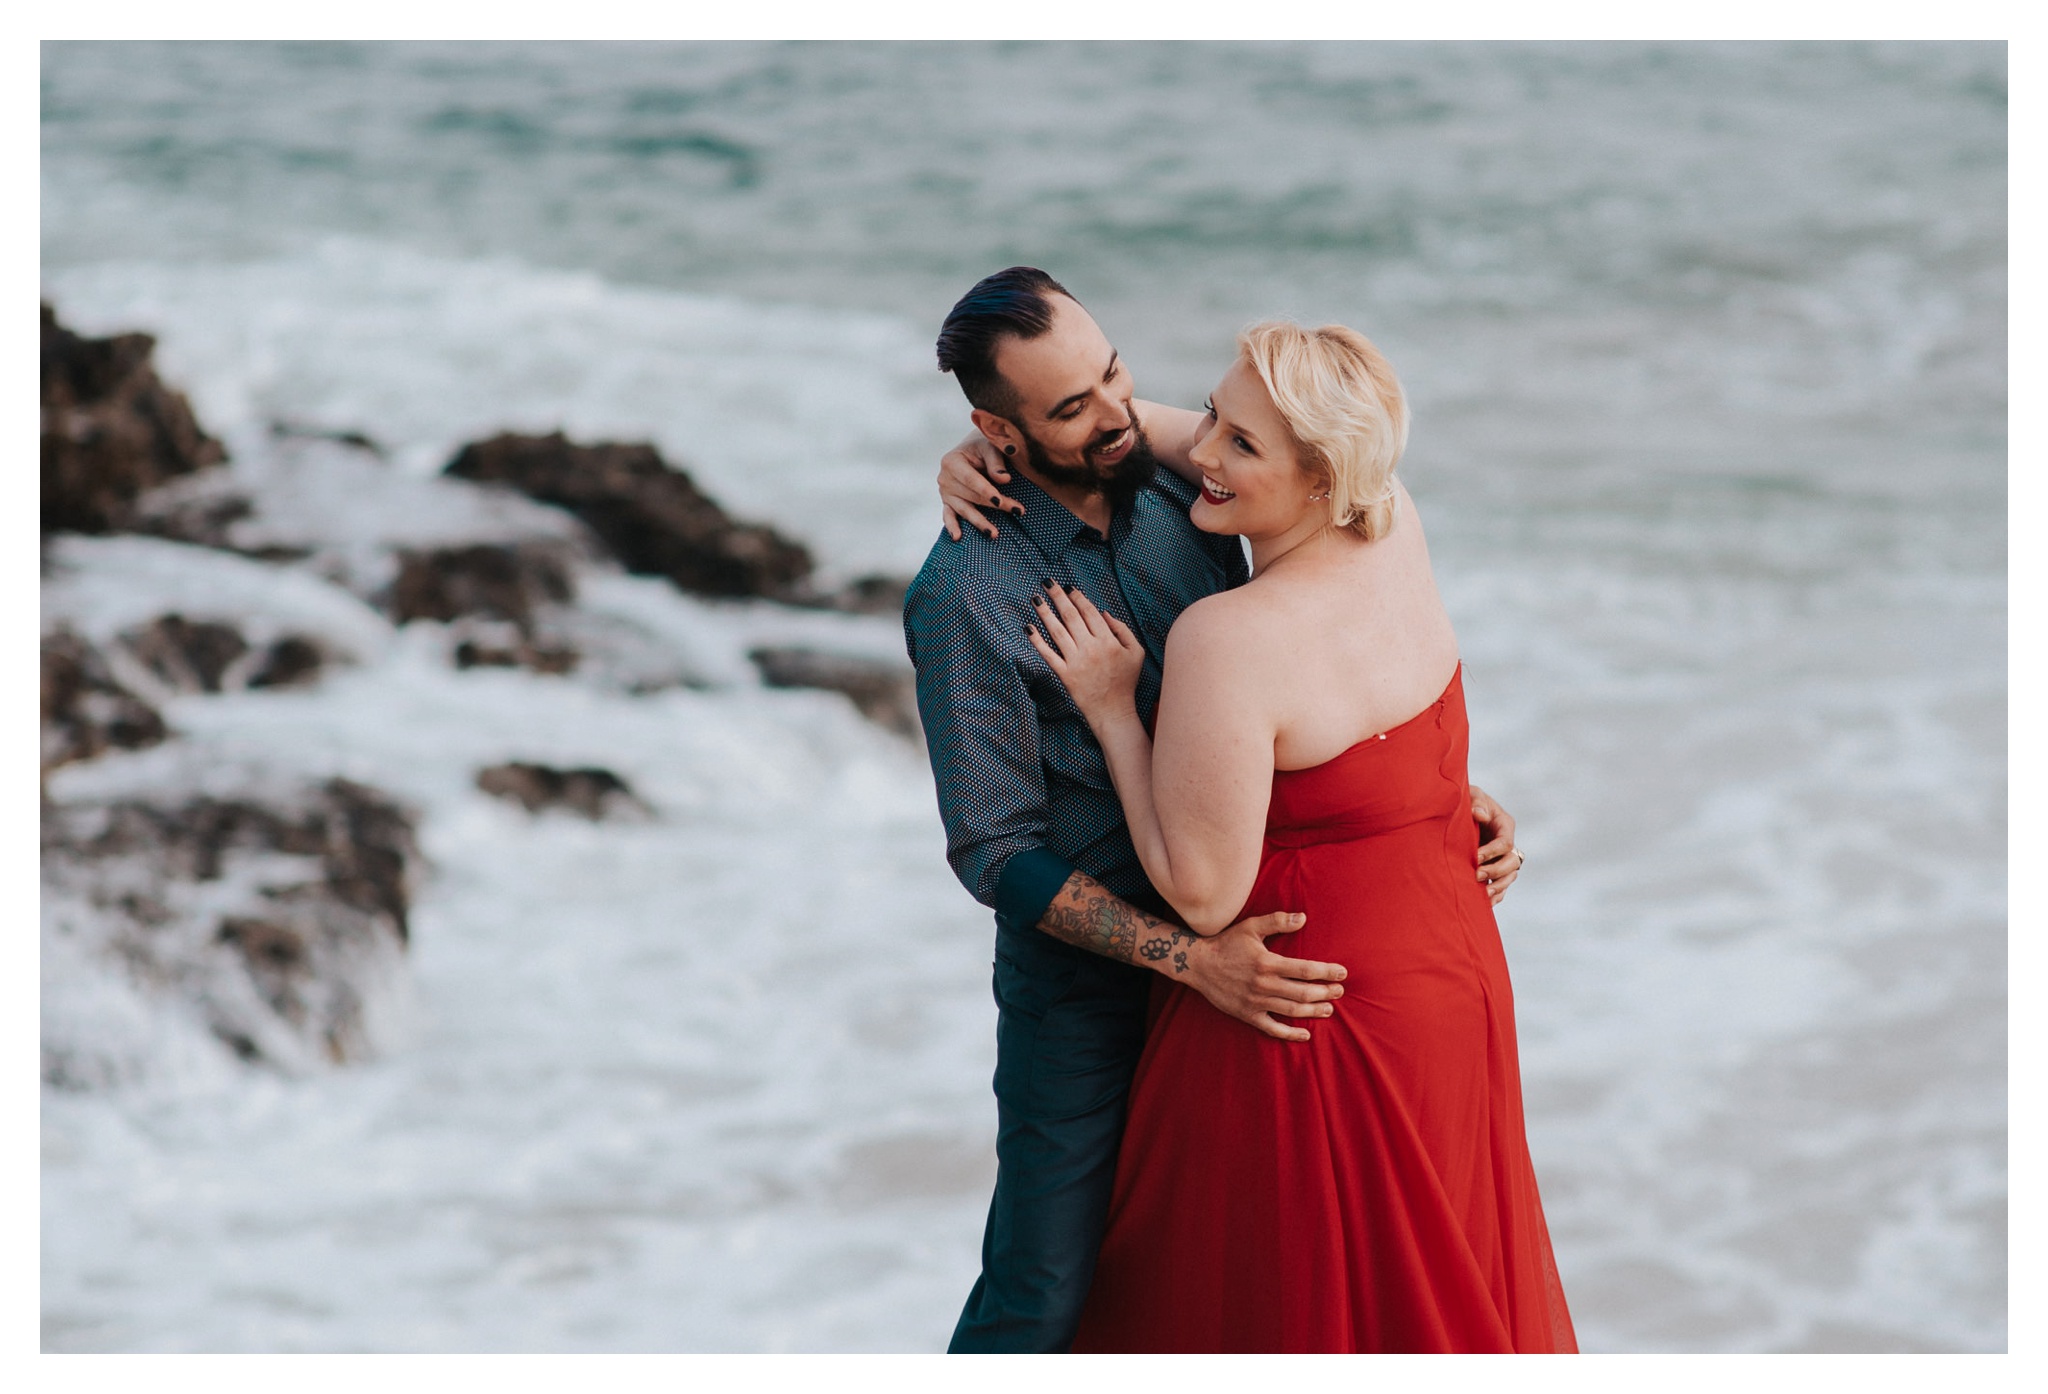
point(293, 661)
point(354, 440)
point(206, 511)
point(481, 647)
point(885, 693)
point(111, 429)
point(180, 655)
point(591, 791)
point(492, 581)
point(184, 655)
point(864, 595)
point(650, 515)
point(86, 711)
point(282, 917)
point(494, 596)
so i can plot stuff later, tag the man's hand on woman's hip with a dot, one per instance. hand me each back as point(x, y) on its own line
point(1500, 862)
point(1244, 979)
point(1234, 969)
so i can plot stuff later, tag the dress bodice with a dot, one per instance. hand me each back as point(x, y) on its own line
point(1408, 774)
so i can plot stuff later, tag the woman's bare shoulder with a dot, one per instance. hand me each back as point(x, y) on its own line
point(1219, 628)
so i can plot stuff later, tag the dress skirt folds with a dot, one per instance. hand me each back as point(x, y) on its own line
point(1369, 1189)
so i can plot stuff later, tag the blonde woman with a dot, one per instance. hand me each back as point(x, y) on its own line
point(1369, 1187)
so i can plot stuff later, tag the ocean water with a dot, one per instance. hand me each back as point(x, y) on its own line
point(1706, 350)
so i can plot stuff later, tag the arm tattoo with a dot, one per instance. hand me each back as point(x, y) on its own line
point(1089, 916)
point(1175, 942)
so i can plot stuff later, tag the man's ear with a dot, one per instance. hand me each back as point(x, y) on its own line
point(1000, 433)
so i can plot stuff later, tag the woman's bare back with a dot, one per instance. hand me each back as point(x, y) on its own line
point(1350, 638)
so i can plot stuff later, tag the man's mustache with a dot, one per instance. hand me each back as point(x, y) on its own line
point(1108, 438)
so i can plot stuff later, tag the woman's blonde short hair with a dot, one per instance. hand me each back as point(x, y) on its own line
point(1344, 405)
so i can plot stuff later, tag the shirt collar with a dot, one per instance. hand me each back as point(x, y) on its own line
point(1047, 521)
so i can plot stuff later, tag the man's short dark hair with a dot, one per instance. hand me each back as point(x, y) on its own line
point(1010, 304)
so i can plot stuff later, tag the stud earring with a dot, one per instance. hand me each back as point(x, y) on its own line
point(1312, 498)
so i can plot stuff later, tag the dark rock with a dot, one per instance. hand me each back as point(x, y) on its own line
point(205, 520)
point(85, 711)
point(539, 657)
point(650, 515)
point(593, 792)
point(293, 661)
point(355, 440)
point(363, 840)
point(501, 581)
point(111, 429)
point(369, 851)
point(864, 595)
point(280, 947)
point(493, 595)
point(279, 916)
point(184, 655)
point(885, 693)
point(204, 512)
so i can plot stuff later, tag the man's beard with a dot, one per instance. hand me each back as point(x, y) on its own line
point(1120, 486)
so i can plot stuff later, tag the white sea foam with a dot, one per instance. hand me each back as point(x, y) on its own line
point(104, 586)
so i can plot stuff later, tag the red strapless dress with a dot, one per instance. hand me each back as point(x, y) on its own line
point(1369, 1189)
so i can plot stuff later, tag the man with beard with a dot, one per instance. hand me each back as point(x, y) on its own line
point(1034, 828)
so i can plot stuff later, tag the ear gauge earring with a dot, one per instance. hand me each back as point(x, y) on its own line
point(1009, 450)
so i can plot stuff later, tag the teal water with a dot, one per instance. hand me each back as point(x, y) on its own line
point(1841, 203)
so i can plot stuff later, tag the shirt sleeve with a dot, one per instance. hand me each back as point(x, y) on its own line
point(981, 732)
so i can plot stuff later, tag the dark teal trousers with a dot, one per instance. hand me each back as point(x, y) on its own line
point(1069, 1027)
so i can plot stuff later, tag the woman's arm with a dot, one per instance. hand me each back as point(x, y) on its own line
point(1174, 433)
point(1196, 805)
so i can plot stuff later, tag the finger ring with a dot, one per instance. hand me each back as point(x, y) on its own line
point(1521, 859)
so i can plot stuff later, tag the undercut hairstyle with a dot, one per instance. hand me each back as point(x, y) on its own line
point(1345, 409)
point(1010, 304)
